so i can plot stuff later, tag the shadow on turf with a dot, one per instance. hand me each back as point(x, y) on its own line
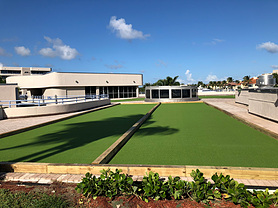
point(79, 134)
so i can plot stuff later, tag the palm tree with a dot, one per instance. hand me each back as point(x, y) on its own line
point(275, 75)
point(219, 84)
point(229, 79)
point(200, 84)
point(214, 84)
point(210, 84)
point(2, 80)
point(246, 80)
point(172, 81)
point(169, 81)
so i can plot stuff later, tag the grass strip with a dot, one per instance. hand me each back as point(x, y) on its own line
point(197, 134)
point(30, 200)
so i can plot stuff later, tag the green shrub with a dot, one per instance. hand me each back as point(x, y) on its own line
point(114, 184)
point(108, 184)
point(153, 187)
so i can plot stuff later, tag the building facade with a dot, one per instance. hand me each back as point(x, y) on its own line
point(171, 93)
point(23, 71)
point(63, 84)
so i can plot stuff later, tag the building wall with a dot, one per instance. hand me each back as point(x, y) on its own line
point(53, 109)
point(242, 96)
point(23, 71)
point(69, 84)
point(264, 103)
point(75, 91)
point(60, 80)
point(8, 92)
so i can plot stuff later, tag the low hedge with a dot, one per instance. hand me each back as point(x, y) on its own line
point(113, 184)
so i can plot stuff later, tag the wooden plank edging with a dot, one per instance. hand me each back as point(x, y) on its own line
point(140, 170)
point(109, 153)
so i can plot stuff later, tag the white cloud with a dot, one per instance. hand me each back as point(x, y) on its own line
point(21, 50)
point(114, 66)
point(274, 66)
point(269, 47)
point(1, 65)
point(4, 53)
point(189, 78)
point(161, 63)
point(180, 81)
point(59, 49)
point(215, 41)
point(125, 31)
point(211, 77)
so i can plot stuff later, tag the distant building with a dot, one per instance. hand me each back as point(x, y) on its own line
point(64, 84)
point(23, 71)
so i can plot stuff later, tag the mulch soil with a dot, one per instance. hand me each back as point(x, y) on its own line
point(67, 191)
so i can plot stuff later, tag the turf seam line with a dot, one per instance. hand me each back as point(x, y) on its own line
point(252, 125)
point(109, 153)
point(10, 133)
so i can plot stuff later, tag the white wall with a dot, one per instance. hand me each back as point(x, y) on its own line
point(8, 92)
point(65, 80)
point(53, 109)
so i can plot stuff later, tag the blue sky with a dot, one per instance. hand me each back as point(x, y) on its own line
point(196, 40)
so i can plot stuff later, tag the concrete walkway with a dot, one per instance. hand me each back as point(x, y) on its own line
point(240, 111)
point(76, 178)
point(17, 124)
point(227, 105)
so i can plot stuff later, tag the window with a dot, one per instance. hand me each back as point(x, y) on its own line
point(121, 92)
point(164, 93)
point(130, 92)
point(155, 94)
point(133, 91)
point(185, 93)
point(110, 92)
point(147, 93)
point(10, 72)
point(90, 90)
point(116, 95)
point(176, 93)
point(194, 93)
point(125, 92)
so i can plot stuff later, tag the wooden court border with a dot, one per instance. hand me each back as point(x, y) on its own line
point(140, 170)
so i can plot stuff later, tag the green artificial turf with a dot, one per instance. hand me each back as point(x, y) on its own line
point(127, 100)
point(197, 134)
point(76, 140)
point(216, 96)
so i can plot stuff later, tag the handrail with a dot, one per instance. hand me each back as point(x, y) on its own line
point(50, 100)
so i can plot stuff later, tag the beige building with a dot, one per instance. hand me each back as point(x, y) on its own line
point(8, 92)
point(12, 71)
point(65, 84)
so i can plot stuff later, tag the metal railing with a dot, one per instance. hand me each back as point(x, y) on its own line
point(42, 101)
